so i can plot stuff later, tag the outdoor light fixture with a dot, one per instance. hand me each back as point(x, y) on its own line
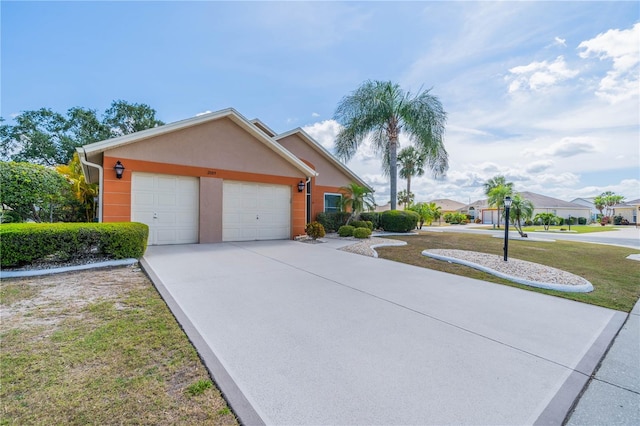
point(119, 168)
point(507, 206)
point(301, 186)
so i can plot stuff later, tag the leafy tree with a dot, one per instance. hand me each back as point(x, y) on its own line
point(521, 209)
point(83, 192)
point(599, 202)
point(497, 188)
point(610, 199)
point(428, 212)
point(32, 191)
point(405, 198)
point(123, 118)
point(411, 161)
point(382, 110)
point(49, 138)
point(357, 199)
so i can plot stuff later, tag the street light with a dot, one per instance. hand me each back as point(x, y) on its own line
point(507, 206)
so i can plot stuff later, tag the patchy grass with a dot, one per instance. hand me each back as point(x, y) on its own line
point(616, 280)
point(99, 347)
point(578, 229)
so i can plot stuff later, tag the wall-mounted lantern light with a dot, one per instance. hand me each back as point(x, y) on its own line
point(119, 168)
point(301, 186)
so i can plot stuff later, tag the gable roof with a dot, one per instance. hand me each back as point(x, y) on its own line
point(632, 203)
point(542, 201)
point(447, 204)
point(93, 152)
point(324, 152)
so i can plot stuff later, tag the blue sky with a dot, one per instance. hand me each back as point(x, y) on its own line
point(546, 93)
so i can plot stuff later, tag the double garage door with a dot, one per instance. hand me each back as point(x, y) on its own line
point(170, 206)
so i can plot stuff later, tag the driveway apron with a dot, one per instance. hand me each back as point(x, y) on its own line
point(297, 333)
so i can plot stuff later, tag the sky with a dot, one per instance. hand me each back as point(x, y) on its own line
point(545, 93)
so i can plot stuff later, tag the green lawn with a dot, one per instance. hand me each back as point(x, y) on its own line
point(579, 229)
point(616, 280)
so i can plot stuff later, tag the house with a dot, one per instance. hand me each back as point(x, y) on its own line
point(629, 210)
point(214, 177)
point(541, 203)
point(446, 205)
point(588, 202)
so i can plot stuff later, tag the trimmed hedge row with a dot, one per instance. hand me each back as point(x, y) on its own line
point(23, 243)
point(331, 221)
point(399, 220)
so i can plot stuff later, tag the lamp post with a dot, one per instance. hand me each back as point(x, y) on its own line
point(507, 206)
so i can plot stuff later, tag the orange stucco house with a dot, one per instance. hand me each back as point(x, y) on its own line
point(215, 177)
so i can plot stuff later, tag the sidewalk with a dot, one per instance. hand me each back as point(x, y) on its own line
point(612, 396)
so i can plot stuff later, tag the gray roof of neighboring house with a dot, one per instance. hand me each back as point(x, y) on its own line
point(632, 203)
point(447, 204)
point(542, 201)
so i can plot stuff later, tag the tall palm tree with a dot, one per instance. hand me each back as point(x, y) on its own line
point(356, 198)
point(521, 209)
point(383, 110)
point(411, 161)
point(497, 188)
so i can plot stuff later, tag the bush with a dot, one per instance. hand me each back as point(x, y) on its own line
point(373, 217)
point(23, 243)
point(582, 221)
point(362, 232)
point(456, 218)
point(362, 224)
point(399, 220)
point(331, 221)
point(346, 231)
point(315, 230)
point(617, 220)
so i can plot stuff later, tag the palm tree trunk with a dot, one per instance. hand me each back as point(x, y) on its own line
point(393, 170)
point(408, 185)
point(498, 215)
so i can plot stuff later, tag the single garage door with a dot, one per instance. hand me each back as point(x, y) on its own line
point(253, 211)
point(168, 204)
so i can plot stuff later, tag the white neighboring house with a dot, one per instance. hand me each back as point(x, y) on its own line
point(588, 202)
point(628, 210)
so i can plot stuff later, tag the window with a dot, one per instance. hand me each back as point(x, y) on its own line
point(332, 202)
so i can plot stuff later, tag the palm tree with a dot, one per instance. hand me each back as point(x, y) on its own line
point(497, 188)
point(411, 161)
point(521, 209)
point(383, 110)
point(357, 198)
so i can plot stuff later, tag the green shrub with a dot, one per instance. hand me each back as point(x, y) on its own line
point(373, 217)
point(23, 243)
point(617, 220)
point(358, 224)
point(582, 221)
point(315, 230)
point(399, 220)
point(346, 231)
point(362, 232)
point(331, 221)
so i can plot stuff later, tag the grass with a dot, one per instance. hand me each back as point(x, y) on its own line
point(107, 361)
point(616, 280)
point(579, 229)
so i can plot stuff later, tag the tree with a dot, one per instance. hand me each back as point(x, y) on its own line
point(521, 209)
point(382, 110)
point(49, 138)
point(546, 218)
point(610, 199)
point(31, 191)
point(411, 161)
point(84, 192)
point(599, 202)
point(405, 198)
point(123, 118)
point(357, 199)
point(497, 188)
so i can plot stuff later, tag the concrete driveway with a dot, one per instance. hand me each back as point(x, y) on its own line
point(299, 333)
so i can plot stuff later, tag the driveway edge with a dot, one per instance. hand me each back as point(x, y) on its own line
point(236, 399)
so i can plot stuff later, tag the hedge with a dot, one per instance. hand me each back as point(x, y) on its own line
point(24, 243)
point(362, 232)
point(373, 217)
point(399, 220)
point(332, 221)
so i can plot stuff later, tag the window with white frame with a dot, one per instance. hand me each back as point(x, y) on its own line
point(332, 202)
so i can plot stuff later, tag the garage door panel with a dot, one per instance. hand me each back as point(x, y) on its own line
point(255, 211)
point(169, 205)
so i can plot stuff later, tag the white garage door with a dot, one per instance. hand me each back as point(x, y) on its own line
point(255, 211)
point(168, 204)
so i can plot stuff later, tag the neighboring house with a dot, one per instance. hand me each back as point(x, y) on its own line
point(447, 206)
point(628, 210)
point(383, 208)
point(588, 202)
point(542, 204)
point(215, 177)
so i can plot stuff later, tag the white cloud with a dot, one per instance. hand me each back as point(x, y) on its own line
point(567, 147)
point(623, 47)
point(324, 132)
point(315, 114)
point(538, 166)
point(539, 75)
point(560, 41)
